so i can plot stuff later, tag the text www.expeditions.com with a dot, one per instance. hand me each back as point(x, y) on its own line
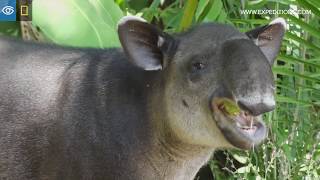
point(274, 11)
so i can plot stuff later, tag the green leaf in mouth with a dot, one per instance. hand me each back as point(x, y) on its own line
point(228, 106)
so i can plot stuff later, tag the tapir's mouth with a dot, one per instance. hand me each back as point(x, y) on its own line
point(238, 126)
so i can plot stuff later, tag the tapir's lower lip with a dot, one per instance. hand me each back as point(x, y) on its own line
point(240, 128)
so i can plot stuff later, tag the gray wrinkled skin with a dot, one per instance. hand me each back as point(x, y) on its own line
point(90, 114)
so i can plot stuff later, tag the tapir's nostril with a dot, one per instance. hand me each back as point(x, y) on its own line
point(256, 108)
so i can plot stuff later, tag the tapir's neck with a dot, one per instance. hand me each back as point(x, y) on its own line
point(173, 161)
point(154, 151)
point(165, 156)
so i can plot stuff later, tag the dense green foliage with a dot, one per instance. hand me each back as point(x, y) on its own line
point(292, 150)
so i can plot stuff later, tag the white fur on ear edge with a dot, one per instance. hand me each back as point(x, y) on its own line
point(156, 68)
point(160, 41)
point(279, 21)
point(124, 19)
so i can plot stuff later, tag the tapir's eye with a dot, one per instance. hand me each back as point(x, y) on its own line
point(198, 66)
point(196, 70)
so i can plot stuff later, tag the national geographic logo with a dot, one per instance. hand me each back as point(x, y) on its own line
point(15, 10)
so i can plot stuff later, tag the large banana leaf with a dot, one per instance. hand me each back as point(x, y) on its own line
point(78, 22)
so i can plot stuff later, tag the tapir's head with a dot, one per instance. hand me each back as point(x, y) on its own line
point(218, 81)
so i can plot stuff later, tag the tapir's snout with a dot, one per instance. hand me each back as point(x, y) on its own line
point(257, 106)
point(249, 78)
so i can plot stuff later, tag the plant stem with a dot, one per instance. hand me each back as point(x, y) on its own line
point(188, 14)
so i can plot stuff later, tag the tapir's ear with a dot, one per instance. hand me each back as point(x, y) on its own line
point(146, 46)
point(269, 38)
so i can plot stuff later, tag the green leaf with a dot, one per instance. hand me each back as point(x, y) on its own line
point(137, 5)
point(309, 6)
point(306, 27)
point(296, 60)
point(171, 19)
point(78, 23)
point(203, 9)
point(289, 72)
point(152, 11)
point(223, 17)
point(291, 36)
point(215, 11)
point(10, 28)
point(255, 4)
point(292, 100)
point(250, 21)
point(188, 14)
point(315, 3)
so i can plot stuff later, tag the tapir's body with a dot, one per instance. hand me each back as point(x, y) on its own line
point(83, 115)
point(55, 113)
point(70, 113)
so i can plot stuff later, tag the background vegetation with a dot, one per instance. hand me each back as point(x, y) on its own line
point(292, 150)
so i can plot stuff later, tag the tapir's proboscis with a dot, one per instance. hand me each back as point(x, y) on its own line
point(153, 109)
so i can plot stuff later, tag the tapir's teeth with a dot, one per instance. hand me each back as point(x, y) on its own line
point(246, 127)
point(238, 124)
point(249, 131)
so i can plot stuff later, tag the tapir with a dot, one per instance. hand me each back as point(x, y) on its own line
point(146, 111)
